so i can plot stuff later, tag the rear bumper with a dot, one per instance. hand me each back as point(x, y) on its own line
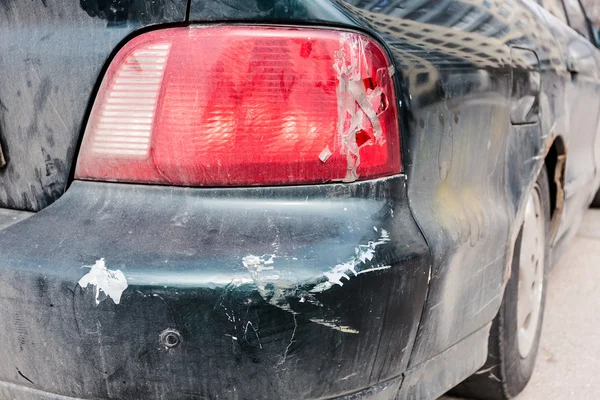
point(383, 391)
point(292, 292)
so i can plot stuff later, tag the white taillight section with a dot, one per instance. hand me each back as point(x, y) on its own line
point(125, 120)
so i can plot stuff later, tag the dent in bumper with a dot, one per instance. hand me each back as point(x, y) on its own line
point(250, 283)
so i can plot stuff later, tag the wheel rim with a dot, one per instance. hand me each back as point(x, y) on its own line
point(531, 272)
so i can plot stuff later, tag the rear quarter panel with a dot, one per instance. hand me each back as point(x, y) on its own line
point(469, 168)
point(52, 53)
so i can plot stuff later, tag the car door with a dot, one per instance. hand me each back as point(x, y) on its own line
point(582, 106)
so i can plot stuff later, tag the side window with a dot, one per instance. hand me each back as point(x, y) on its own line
point(555, 8)
point(577, 17)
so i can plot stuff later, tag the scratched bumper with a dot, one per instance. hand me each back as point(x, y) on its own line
point(292, 292)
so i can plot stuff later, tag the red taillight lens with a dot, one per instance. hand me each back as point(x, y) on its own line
point(224, 106)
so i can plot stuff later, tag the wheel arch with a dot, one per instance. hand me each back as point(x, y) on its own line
point(555, 162)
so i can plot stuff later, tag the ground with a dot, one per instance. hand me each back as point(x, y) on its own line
point(569, 356)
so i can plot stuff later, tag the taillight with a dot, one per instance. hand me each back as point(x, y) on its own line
point(223, 106)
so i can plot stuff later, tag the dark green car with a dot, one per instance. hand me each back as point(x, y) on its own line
point(287, 199)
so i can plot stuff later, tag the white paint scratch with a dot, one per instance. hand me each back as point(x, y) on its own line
point(483, 371)
point(285, 354)
point(363, 253)
point(249, 324)
point(364, 271)
point(258, 264)
point(348, 376)
point(334, 325)
point(111, 283)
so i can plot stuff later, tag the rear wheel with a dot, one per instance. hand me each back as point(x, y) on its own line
point(596, 201)
point(516, 330)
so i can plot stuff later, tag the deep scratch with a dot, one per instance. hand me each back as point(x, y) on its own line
point(255, 332)
point(24, 377)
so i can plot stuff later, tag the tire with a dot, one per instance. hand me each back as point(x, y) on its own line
point(596, 201)
point(506, 371)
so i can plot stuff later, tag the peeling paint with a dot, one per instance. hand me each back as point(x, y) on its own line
point(325, 154)
point(265, 282)
point(111, 283)
point(358, 105)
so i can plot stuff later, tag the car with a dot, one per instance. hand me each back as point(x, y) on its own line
point(277, 199)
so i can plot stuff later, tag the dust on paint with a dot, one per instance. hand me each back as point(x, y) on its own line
point(111, 282)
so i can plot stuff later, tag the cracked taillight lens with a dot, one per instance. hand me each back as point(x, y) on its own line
point(225, 106)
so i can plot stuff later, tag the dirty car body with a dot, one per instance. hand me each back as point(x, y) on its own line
point(370, 288)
